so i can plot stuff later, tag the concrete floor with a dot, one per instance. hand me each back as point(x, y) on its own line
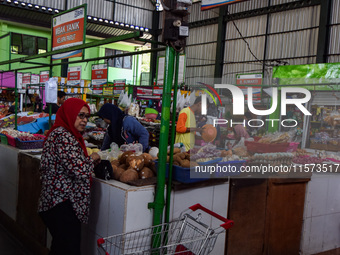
point(9, 245)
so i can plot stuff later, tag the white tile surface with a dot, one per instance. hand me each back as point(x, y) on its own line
point(99, 208)
point(331, 235)
point(333, 198)
point(138, 216)
point(305, 240)
point(117, 207)
point(315, 236)
point(321, 228)
point(317, 196)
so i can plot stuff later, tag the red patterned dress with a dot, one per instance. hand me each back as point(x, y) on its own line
point(65, 173)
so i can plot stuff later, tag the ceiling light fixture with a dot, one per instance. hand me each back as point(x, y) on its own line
point(23, 4)
point(43, 8)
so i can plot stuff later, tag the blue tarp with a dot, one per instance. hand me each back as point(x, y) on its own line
point(39, 126)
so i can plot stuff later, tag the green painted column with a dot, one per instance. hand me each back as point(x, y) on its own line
point(158, 203)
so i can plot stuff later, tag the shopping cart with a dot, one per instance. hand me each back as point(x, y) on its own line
point(185, 236)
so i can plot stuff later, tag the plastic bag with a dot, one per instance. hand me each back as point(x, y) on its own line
point(134, 110)
point(124, 100)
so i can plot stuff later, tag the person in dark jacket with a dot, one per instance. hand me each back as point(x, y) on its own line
point(122, 128)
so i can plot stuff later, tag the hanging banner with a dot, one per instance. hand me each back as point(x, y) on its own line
point(209, 4)
point(35, 79)
point(160, 70)
point(68, 30)
point(99, 80)
point(20, 87)
point(7, 79)
point(73, 79)
point(250, 79)
point(44, 76)
point(119, 86)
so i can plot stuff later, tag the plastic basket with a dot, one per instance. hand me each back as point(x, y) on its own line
point(229, 168)
point(10, 140)
point(4, 139)
point(35, 144)
point(270, 147)
point(182, 174)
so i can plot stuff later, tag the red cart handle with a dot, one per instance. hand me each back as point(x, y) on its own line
point(227, 223)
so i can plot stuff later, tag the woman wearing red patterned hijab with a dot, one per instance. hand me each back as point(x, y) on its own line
point(65, 176)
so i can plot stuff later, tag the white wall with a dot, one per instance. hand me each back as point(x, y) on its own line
point(321, 228)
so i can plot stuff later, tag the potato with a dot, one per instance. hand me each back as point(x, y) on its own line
point(177, 159)
point(129, 175)
point(181, 155)
point(123, 157)
point(117, 172)
point(185, 163)
point(115, 162)
point(136, 162)
point(146, 173)
point(147, 159)
point(187, 155)
point(123, 166)
point(153, 168)
point(176, 163)
point(176, 150)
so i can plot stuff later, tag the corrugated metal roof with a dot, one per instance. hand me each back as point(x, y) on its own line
point(38, 17)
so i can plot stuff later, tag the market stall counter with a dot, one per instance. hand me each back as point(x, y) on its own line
point(116, 207)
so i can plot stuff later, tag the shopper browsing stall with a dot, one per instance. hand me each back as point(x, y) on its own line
point(122, 128)
point(65, 175)
point(186, 124)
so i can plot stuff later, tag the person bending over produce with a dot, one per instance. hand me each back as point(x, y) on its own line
point(65, 170)
point(239, 131)
point(122, 128)
point(186, 124)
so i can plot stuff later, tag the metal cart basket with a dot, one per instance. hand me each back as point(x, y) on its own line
point(185, 236)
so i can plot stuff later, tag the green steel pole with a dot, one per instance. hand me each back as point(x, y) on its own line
point(158, 204)
point(172, 141)
point(16, 101)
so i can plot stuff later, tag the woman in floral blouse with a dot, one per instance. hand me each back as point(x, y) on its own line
point(65, 174)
